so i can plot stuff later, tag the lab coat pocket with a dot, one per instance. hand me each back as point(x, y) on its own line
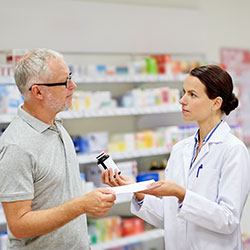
point(206, 183)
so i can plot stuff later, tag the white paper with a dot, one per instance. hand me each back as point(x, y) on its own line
point(131, 188)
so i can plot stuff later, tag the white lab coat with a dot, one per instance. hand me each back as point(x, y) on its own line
point(209, 217)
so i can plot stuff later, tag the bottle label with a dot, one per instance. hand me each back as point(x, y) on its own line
point(107, 164)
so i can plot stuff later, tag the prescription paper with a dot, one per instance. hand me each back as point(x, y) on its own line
point(131, 188)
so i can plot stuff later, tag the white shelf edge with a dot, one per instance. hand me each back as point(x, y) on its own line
point(140, 78)
point(105, 112)
point(115, 79)
point(91, 158)
point(148, 235)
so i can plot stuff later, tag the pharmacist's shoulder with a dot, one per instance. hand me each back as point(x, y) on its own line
point(232, 142)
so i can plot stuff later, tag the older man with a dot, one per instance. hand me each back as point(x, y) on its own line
point(40, 185)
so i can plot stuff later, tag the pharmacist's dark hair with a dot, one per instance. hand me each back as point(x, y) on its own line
point(218, 83)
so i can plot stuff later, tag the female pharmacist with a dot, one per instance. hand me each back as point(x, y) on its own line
point(207, 177)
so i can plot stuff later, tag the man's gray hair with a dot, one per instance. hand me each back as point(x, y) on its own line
point(33, 68)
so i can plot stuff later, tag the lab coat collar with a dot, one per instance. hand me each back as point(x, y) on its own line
point(218, 135)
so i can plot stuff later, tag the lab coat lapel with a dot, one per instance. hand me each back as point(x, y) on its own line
point(216, 137)
point(188, 152)
point(198, 161)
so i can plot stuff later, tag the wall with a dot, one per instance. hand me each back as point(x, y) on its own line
point(227, 22)
point(85, 26)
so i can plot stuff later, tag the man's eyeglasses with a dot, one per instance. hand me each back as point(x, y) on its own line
point(66, 84)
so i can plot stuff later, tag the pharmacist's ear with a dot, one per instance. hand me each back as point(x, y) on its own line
point(217, 103)
point(37, 92)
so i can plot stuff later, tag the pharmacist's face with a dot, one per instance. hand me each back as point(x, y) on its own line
point(59, 98)
point(196, 106)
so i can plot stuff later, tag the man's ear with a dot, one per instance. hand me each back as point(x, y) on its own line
point(217, 103)
point(36, 92)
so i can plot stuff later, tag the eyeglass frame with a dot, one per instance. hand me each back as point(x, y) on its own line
point(66, 83)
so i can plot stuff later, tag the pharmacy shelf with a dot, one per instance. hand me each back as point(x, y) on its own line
point(105, 112)
point(149, 235)
point(6, 80)
point(91, 158)
point(140, 78)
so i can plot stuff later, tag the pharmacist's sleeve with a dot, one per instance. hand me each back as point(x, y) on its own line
point(16, 174)
point(151, 210)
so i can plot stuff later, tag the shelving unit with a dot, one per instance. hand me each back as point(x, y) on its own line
point(105, 112)
point(85, 159)
point(148, 235)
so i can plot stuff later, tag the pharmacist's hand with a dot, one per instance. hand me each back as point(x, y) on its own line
point(117, 180)
point(165, 188)
point(99, 201)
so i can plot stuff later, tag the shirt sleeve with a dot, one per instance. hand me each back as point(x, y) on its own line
point(16, 176)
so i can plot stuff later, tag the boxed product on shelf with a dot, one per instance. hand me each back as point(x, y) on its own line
point(144, 139)
point(98, 141)
point(148, 176)
point(138, 67)
point(6, 70)
point(84, 100)
point(152, 67)
point(173, 134)
point(148, 97)
point(132, 226)
point(122, 142)
point(128, 168)
point(10, 99)
point(94, 174)
point(105, 229)
point(14, 55)
point(91, 142)
point(163, 62)
point(159, 168)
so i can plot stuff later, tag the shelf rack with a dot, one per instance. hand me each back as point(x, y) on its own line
point(148, 235)
point(91, 158)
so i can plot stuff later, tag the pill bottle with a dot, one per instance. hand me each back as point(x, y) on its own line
point(104, 161)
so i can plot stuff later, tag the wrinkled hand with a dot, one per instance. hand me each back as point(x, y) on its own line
point(99, 201)
point(117, 180)
point(165, 188)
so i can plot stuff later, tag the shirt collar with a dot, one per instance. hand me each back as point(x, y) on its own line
point(34, 122)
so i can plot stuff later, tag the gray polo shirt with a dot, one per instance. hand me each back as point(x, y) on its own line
point(38, 162)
